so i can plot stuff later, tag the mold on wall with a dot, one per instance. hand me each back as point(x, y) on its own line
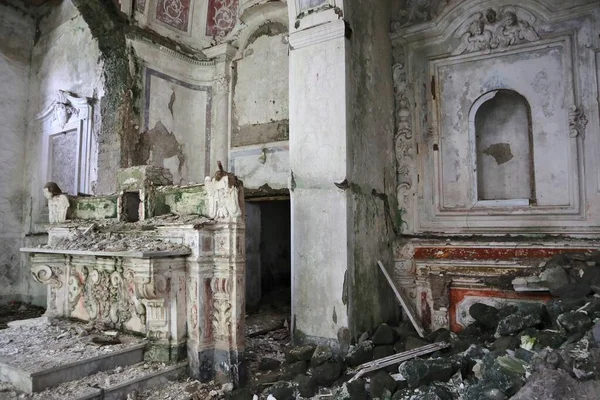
point(17, 30)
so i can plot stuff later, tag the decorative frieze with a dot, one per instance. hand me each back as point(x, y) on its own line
point(496, 31)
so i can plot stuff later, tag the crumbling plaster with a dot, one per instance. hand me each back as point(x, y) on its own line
point(15, 62)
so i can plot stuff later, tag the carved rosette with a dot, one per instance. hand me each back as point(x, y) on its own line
point(577, 123)
point(496, 30)
point(222, 198)
point(404, 142)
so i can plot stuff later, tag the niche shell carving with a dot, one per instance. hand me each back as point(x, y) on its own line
point(490, 32)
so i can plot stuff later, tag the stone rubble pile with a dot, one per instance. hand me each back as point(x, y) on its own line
point(520, 351)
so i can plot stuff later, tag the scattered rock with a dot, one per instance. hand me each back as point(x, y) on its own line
point(383, 335)
point(321, 355)
point(307, 386)
point(301, 353)
point(421, 372)
point(327, 373)
point(268, 364)
point(413, 342)
point(575, 321)
point(528, 316)
point(557, 385)
point(360, 354)
point(290, 371)
point(485, 315)
point(281, 391)
point(380, 382)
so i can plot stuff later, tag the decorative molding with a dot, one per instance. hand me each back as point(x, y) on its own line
point(174, 53)
point(318, 34)
point(496, 30)
point(221, 84)
point(47, 275)
point(404, 146)
point(65, 106)
point(577, 123)
point(223, 198)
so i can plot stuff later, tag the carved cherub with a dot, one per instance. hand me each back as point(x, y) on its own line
point(58, 203)
point(514, 31)
point(476, 38)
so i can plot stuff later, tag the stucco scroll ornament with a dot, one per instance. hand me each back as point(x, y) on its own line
point(489, 32)
point(63, 108)
point(46, 275)
point(577, 123)
point(223, 195)
point(221, 83)
point(404, 134)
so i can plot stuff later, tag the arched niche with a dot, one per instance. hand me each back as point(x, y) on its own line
point(500, 124)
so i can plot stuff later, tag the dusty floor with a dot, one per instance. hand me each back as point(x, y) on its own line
point(14, 311)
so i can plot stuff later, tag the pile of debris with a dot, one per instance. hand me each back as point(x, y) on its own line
point(525, 350)
point(114, 242)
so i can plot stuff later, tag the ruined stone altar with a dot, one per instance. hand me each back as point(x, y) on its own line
point(159, 260)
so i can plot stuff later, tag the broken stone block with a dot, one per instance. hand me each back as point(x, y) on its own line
point(575, 322)
point(484, 390)
point(526, 317)
point(550, 384)
point(380, 382)
point(321, 355)
point(555, 307)
point(327, 373)
point(421, 372)
point(506, 372)
point(307, 386)
point(268, 364)
point(301, 353)
point(414, 342)
point(383, 335)
point(360, 354)
point(290, 371)
point(281, 391)
point(485, 315)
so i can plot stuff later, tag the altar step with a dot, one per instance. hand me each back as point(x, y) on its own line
point(114, 384)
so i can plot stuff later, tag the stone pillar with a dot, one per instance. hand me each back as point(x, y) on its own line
point(221, 104)
point(319, 208)
point(341, 159)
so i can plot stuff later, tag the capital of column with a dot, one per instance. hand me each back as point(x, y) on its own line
point(318, 34)
point(221, 53)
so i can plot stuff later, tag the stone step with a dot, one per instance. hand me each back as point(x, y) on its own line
point(114, 384)
point(29, 382)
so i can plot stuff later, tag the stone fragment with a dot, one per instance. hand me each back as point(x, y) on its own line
point(268, 364)
point(240, 394)
point(327, 373)
point(527, 316)
point(485, 315)
point(506, 372)
point(301, 353)
point(574, 290)
point(363, 337)
point(405, 329)
point(290, 371)
point(307, 386)
point(281, 391)
point(360, 354)
point(548, 384)
point(383, 351)
point(484, 390)
point(380, 382)
point(421, 372)
point(506, 343)
point(383, 335)
point(555, 307)
point(321, 354)
point(575, 322)
point(556, 278)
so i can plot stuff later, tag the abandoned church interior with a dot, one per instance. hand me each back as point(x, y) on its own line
point(299, 199)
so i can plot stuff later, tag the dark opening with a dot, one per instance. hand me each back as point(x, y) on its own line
point(268, 263)
point(131, 206)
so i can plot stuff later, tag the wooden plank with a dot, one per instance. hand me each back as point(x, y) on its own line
point(404, 302)
point(397, 359)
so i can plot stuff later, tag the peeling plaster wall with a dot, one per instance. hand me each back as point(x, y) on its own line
point(17, 31)
point(371, 177)
point(65, 57)
point(260, 112)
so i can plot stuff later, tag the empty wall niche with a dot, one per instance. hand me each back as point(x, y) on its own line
point(504, 170)
point(131, 206)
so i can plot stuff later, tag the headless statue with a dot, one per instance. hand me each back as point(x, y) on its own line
point(58, 203)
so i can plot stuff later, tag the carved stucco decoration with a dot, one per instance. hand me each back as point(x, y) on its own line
point(63, 107)
point(222, 319)
point(404, 134)
point(47, 275)
point(221, 83)
point(577, 123)
point(496, 30)
point(418, 11)
point(222, 197)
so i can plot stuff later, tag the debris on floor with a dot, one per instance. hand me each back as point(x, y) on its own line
point(15, 310)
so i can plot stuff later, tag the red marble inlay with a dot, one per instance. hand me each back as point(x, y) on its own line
point(174, 13)
point(489, 253)
point(221, 18)
point(208, 310)
point(457, 295)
